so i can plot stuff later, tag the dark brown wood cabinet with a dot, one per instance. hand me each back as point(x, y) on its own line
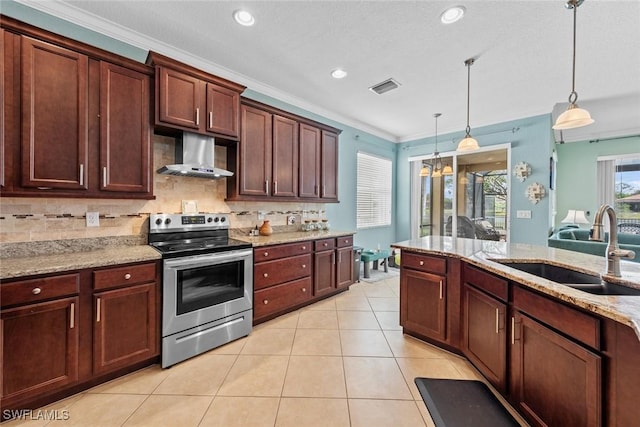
point(125, 135)
point(192, 100)
point(423, 304)
point(55, 125)
point(344, 261)
point(125, 328)
point(281, 156)
point(40, 345)
point(554, 380)
point(484, 332)
point(63, 333)
point(80, 123)
point(324, 268)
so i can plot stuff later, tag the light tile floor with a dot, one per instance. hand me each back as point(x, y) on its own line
point(340, 362)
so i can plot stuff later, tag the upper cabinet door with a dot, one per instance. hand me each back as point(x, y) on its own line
point(255, 152)
point(179, 100)
point(309, 161)
point(285, 157)
point(125, 137)
point(329, 165)
point(223, 111)
point(54, 116)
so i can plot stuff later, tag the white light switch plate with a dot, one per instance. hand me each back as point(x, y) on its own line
point(523, 214)
point(93, 219)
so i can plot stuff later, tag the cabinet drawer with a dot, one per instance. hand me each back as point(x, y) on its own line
point(120, 276)
point(426, 263)
point(280, 297)
point(279, 271)
point(324, 244)
point(496, 286)
point(574, 323)
point(28, 291)
point(344, 241)
point(268, 253)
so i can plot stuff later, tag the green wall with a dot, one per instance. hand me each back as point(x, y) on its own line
point(577, 176)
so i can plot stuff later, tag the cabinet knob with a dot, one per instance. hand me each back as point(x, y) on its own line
point(127, 276)
point(266, 275)
point(265, 302)
point(266, 254)
point(304, 265)
point(304, 289)
point(36, 291)
point(346, 241)
point(421, 262)
point(326, 244)
point(304, 248)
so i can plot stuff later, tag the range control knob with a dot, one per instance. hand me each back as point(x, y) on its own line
point(158, 221)
point(167, 221)
point(209, 219)
point(217, 219)
point(223, 219)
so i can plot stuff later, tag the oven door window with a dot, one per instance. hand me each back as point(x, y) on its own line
point(203, 287)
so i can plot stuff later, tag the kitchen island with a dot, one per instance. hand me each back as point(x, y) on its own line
point(560, 355)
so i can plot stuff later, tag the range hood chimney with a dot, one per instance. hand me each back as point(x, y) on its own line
point(195, 158)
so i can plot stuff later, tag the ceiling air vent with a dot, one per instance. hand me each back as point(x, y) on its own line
point(385, 86)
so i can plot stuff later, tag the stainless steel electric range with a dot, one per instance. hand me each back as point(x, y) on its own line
point(207, 283)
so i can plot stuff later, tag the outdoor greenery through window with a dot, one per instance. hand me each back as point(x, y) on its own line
point(627, 194)
point(374, 191)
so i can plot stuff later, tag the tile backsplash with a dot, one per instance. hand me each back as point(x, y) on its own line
point(38, 219)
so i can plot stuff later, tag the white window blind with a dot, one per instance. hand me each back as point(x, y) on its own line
point(374, 191)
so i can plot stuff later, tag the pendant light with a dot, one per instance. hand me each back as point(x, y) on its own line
point(424, 171)
point(574, 117)
point(468, 143)
point(436, 171)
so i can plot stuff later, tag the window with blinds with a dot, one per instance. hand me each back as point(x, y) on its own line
point(374, 191)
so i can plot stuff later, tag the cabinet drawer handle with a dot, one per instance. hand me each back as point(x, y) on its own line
point(497, 319)
point(81, 174)
point(98, 310)
point(265, 302)
point(266, 275)
point(127, 276)
point(266, 254)
point(304, 248)
point(304, 265)
point(72, 315)
point(346, 240)
point(304, 289)
point(197, 117)
point(513, 330)
point(440, 289)
point(210, 119)
point(104, 176)
point(326, 244)
point(421, 262)
point(36, 291)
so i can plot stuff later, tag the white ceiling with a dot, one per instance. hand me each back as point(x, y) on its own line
point(522, 51)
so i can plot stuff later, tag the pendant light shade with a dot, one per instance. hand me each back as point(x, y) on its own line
point(424, 171)
point(447, 170)
point(575, 116)
point(468, 143)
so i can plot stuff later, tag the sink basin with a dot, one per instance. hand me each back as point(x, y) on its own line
point(574, 279)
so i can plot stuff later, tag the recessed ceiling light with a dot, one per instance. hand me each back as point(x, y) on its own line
point(452, 14)
point(338, 73)
point(243, 17)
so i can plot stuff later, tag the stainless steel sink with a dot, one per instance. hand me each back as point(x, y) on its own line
point(574, 279)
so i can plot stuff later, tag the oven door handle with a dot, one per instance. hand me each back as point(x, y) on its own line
point(207, 259)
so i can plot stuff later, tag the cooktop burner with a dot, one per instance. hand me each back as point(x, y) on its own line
point(176, 235)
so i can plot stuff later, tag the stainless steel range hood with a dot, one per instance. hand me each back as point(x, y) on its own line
point(195, 157)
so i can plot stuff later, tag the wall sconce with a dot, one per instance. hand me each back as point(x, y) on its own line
point(521, 170)
point(535, 192)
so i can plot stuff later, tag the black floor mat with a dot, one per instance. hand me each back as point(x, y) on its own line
point(463, 403)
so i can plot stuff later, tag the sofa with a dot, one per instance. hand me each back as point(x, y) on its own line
point(575, 239)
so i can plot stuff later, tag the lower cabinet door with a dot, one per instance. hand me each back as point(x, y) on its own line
point(125, 328)
point(324, 272)
point(484, 336)
point(39, 348)
point(423, 303)
point(344, 267)
point(554, 381)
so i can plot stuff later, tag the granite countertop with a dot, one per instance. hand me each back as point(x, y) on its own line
point(290, 237)
point(43, 264)
point(621, 308)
